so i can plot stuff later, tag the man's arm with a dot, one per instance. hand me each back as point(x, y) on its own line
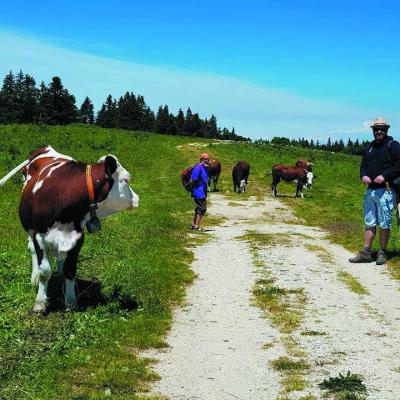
point(363, 166)
point(394, 170)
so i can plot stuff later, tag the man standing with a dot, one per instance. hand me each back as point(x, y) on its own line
point(198, 184)
point(380, 165)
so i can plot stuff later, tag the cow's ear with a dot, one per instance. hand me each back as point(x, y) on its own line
point(110, 166)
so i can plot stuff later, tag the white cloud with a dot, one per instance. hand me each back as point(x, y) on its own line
point(254, 110)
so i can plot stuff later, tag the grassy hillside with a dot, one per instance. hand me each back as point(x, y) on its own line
point(137, 267)
point(139, 259)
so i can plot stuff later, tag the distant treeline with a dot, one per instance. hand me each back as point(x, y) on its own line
point(22, 102)
point(355, 148)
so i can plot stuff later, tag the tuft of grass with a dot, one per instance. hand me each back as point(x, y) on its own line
point(294, 383)
point(284, 306)
point(352, 283)
point(345, 387)
point(268, 345)
point(292, 347)
point(321, 252)
point(259, 240)
point(292, 371)
point(284, 363)
point(312, 333)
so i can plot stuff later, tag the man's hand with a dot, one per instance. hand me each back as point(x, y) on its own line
point(379, 179)
point(366, 180)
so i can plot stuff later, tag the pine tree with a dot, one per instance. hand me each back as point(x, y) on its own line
point(86, 112)
point(188, 127)
point(163, 120)
point(213, 128)
point(148, 120)
point(59, 105)
point(197, 125)
point(107, 116)
point(180, 122)
point(26, 99)
point(8, 100)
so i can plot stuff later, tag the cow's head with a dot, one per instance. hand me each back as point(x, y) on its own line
point(242, 186)
point(121, 196)
point(309, 177)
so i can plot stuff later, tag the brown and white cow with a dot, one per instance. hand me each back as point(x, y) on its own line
point(301, 175)
point(240, 175)
point(214, 171)
point(54, 210)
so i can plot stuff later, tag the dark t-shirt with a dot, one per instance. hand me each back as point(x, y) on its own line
point(381, 159)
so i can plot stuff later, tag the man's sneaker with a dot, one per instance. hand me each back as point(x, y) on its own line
point(381, 257)
point(362, 257)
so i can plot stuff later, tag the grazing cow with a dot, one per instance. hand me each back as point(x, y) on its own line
point(60, 196)
point(214, 171)
point(240, 175)
point(299, 175)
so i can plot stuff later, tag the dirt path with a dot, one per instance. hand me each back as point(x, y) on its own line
point(217, 341)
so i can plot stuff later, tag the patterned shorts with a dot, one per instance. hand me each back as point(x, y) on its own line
point(378, 208)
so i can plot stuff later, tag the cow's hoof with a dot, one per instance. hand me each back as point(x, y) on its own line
point(39, 308)
point(71, 306)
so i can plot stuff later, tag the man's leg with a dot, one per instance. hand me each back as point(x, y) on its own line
point(370, 219)
point(384, 238)
point(197, 220)
point(369, 236)
point(200, 210)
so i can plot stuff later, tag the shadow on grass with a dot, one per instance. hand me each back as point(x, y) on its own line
point(88, 293)
point(288, 196)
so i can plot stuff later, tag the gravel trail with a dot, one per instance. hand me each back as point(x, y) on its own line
point(216, 342)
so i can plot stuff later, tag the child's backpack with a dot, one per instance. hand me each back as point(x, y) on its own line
point(185, 177)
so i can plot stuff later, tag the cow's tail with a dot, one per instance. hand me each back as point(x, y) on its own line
point(14, 171)
point(269, 173)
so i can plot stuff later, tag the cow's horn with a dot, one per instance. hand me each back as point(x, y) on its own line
point(13, 172)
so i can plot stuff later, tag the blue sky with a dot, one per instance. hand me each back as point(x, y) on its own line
point(290, 68)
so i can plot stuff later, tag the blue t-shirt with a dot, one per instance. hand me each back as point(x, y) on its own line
point(200, 178)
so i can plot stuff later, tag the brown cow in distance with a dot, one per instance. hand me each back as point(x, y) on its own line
point(214, 171)
point(59, 198)
point(301, 175)
point(240, 175)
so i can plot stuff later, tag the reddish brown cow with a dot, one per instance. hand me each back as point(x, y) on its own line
point(214, 171)
point(299, 175)
point(240, 175)
point(60, 197)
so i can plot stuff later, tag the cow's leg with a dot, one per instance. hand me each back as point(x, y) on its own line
point(35, 266)
point(273, 188)
point(215, 180)
point(70, 266)
point(299, 190)
point(44, 272)
point(60, 265)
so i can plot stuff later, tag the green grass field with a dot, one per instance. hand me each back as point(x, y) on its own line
point(137, 268)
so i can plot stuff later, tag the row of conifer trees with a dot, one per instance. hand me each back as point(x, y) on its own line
point(22, 102)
